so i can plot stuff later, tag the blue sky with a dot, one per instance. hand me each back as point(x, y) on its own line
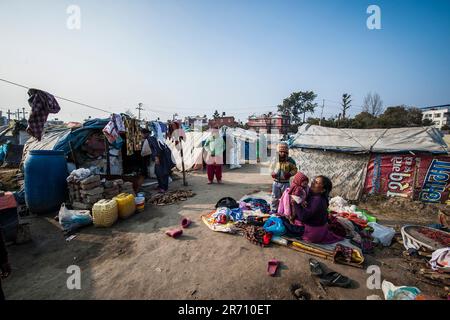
point(241, 57)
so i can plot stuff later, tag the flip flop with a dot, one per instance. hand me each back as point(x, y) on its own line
point(185, 222)
point(335, 279)
point(272, 267)
point(174, 233)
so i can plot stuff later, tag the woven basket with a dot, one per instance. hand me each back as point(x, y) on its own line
point(126, 205)
point(105, 213)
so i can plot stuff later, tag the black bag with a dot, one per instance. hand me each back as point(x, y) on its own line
point(227, 202)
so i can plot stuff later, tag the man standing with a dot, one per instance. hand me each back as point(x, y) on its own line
point(5, 268)
point(282, 168)
point(214, 147)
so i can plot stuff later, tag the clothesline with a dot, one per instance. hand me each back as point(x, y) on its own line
point(62, 98)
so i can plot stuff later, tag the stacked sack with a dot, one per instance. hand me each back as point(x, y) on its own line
point(84, 189)
point(111, 189)
point(127, 187)
point(87, 192)
point(91, 190)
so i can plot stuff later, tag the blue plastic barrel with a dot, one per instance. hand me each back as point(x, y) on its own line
point(45, 181)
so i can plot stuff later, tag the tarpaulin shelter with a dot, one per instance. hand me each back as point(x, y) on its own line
point(394, 162)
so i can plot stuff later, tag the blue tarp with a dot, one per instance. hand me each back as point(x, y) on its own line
point(79, 136)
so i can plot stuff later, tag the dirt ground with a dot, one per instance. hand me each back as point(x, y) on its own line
point(135, 259)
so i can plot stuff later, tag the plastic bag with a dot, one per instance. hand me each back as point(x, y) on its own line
point(146, 151)
point(275, 226)
point(391, 292)
point(383, 234)
point(71, 220)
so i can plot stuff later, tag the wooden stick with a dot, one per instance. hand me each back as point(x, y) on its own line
point(182, 164)
point(108, 165)
point(73, 155)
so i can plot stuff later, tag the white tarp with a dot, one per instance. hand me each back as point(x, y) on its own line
point(48, 141)
point(417, 139)
point(236, 140)
point(192, 150)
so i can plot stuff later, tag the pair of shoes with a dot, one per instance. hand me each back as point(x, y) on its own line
point(210, 182)
point(219, 182)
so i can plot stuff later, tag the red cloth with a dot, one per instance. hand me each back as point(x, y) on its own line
point(7, 201)
point(214, 169)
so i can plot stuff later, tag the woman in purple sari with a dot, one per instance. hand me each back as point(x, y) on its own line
point(313, 214)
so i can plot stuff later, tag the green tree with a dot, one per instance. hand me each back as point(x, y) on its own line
point(428, 122)
point(414, 118)
point(346, 104)
point(216, 114)
point(298, 103)
point(364, 120)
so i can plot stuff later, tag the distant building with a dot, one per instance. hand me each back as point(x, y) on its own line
point(440, 115)
point(196, 121)
point(270, 123)
point(228, 121)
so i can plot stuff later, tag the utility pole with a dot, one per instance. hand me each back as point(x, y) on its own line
point(321, 113)
point(24, 113)
point(139, 108)
point(9, 115)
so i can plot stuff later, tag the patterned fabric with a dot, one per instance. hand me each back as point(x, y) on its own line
point(41, 103)
point(254, 234)
point(347, 183)
point(133, 135)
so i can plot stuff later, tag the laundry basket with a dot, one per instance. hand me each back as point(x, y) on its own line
point(126, 205)
point(413, 239)
point(105, 213)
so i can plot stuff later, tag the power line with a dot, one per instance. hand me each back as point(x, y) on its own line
point(61, 98)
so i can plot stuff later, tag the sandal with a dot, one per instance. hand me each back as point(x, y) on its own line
point(185, 222)
point(175, 233)
point(335, 279)
point(272, 267)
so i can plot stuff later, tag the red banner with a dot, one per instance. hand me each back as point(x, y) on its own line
point(422, 177)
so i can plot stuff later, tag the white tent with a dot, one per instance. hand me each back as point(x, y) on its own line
point(417, 139)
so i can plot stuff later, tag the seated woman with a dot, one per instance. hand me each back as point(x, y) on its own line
point(313, 214)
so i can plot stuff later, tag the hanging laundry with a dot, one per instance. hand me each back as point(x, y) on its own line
point(133, 135)
point(41, 103)
point(118, 122)
point(163, 127)
point(176, 132)
point(110, 132)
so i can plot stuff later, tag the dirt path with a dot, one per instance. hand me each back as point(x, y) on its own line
point(135, 259)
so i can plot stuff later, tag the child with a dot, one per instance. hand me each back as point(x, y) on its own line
point(282, 170)
point(294, 195)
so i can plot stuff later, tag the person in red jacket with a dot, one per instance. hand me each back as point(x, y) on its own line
point(5, 267)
